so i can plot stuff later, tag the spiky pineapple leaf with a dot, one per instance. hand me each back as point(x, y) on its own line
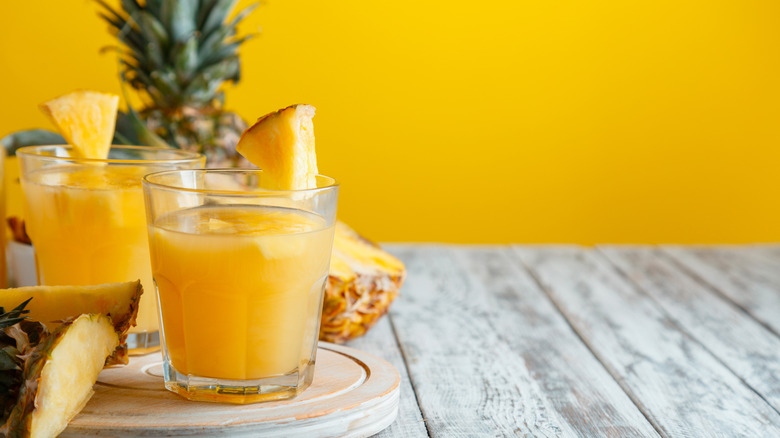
point(7, 362)
point(125, 132)
point(171, 44)
point(16, 342)
point(142, 133)
point(242, 14)
point(10, 318)
point(214, 14)
point(154, 29)
point(182, 19)
point(185, 58)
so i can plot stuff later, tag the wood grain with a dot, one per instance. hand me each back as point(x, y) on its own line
point(746, 347)
point(748, 276)
point(380, 341)
point(490, 356)
point(678, 385)
point(354, 394)
point(567, 385)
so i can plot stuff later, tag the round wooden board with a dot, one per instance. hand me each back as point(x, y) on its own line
point(354, 394)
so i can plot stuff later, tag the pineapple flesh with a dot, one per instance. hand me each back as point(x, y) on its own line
point(363, 280)
point(86, 119)
point(282, 144)
point(58, 376)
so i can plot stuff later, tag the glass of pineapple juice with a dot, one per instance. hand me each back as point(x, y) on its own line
point(87, 221)
point(240, 273)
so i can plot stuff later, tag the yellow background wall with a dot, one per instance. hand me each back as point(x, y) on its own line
point(491, 121)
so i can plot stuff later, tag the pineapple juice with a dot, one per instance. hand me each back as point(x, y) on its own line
point(88, 226)
point(240, 288)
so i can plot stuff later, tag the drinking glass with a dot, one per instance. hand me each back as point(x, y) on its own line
point(240, 273)
point(87, 222)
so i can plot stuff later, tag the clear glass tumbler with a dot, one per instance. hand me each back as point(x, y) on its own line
point(87, 221)
point(240, 273)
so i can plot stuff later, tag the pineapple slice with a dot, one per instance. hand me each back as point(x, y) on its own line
point(53, 304)
point(59, 374)
point(86, 119)
point(282, 144)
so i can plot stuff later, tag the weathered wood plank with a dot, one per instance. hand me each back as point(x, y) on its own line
point(380, 341)
point(489, 355)
point(712, 320)
point(745, 275)
point(569, 385)
point(768, 250)
point(679, 385)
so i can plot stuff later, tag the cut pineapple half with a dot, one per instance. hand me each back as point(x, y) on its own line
point(59, 375)
point(53, 304)
point(282, 145)
point(86, 119)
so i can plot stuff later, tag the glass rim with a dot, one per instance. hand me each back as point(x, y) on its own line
point(185, 156)
point(145, 181)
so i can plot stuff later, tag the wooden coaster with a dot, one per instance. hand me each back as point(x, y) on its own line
point(354, 394)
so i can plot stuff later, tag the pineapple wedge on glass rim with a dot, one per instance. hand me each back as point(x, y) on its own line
point(282, 144)
point(364, 279)
point(86, 119)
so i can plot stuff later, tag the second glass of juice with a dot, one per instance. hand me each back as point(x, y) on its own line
point(240, 273)
point(87, 221)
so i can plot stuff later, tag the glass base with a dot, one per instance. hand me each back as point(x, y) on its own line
point(143, 343)
point(237, 391)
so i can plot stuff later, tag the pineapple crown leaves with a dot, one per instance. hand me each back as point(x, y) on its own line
point(18, 338)
point(10, 318)
point(179, 52)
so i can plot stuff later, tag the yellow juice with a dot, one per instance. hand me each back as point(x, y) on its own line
point(88, 226)
point(240, 288)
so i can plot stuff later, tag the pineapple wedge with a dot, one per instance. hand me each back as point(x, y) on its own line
point(282, 144)
point(58, 374)
point(363, 279)
point(53, 304)
point(86, 119)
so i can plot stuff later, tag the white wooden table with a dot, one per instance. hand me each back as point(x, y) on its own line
point(571, 341)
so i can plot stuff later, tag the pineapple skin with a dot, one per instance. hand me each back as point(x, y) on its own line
point(17, 342)
point(211, 132)
point(363, 281)
point(20, 421)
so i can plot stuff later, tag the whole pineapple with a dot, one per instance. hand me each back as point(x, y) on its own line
point(178, 54)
